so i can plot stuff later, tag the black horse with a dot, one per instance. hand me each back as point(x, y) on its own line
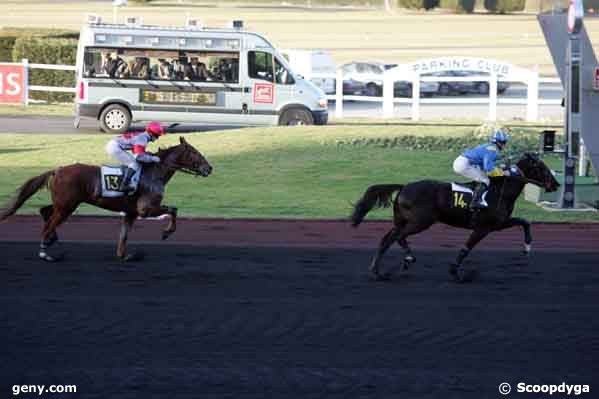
point(420, 204)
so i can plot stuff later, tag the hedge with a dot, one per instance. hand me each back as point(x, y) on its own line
point(459, 6)
point(419, 4)
point(48, 51)
point(505, 6)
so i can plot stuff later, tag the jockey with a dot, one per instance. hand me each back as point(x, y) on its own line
point(135, 142)
point(478, 164)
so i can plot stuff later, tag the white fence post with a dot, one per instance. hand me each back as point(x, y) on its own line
point(493, 97)
point(388, 106)
point(532, 96)
point(25, 63)
point(339, 94)
point(416, 98)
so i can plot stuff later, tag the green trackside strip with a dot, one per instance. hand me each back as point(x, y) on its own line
point(278, 172)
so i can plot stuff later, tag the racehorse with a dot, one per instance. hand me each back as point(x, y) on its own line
point(75, 184)
point(420, 204)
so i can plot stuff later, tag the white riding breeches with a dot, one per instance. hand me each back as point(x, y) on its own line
point(115, 151)
point(462, 166)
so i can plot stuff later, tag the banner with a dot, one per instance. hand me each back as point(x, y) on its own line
point(12, 84)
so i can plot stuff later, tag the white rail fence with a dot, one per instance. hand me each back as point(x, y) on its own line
point(388, 99)
point(58, 89)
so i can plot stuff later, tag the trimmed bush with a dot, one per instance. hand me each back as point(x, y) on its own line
point(458, 6)
point(419, 4)
point(48, 51)
point(6, 45)
point(504, 6)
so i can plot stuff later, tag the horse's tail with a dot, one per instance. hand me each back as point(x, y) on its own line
point(25, 192)
point(375, 197)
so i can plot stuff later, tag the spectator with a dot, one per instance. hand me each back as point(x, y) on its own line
point(196, 70)
point(165, 69)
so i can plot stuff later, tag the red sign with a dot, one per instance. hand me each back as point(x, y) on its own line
point(12, 83)
point(264, 93)
point(596, 79)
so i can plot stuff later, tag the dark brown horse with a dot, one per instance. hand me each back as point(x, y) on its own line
point(420, 204)
point(75, 184)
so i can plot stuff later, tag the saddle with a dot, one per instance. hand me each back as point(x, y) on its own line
point(462, 194)
point(111, 177)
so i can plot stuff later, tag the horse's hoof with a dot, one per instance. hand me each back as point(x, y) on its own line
point(382, 277)
point(43, 255)
point(464, 275)
point(166, 234)
point(453, 269)
point(526, 250)
point(133, 257)
point(409, 259)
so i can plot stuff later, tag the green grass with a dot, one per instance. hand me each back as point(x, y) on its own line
point(263, 172)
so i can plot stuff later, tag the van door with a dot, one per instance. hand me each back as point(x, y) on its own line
point(260, 91)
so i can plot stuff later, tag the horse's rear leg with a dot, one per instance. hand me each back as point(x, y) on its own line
point(384, 245)
point(457, 269)
point(46, 212)
point(409, 257)
point(49, 235)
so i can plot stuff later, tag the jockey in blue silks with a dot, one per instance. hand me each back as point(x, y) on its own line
point(478, 164)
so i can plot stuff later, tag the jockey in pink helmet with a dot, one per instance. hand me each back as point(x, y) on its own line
point(136, 142)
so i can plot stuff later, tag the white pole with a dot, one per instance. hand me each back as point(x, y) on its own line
point(416, 98)
point(25, 62)
point(532, 93)
point(387, 95)
point(582, 161)
point(493, 97)
point(339, 94)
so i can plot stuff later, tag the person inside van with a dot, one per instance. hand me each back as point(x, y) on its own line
point(196, 70)
point(164, 69)
point(113, 64)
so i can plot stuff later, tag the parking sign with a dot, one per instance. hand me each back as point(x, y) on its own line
point(12, 83)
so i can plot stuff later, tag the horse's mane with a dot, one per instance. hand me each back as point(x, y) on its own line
point(164, 152)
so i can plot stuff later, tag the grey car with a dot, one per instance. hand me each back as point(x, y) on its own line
point(366, 78)
point(476, 87)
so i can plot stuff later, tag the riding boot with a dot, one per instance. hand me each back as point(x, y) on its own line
point(125, 187)
point(477, 198)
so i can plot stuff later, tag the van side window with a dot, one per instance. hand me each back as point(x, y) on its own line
point(260, 65)
point(282, 75)
point(173, 65)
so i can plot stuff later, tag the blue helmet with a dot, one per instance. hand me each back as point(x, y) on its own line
point(501, 136)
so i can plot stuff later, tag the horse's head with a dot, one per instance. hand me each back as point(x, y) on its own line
point(535, 169)
point(186, 158)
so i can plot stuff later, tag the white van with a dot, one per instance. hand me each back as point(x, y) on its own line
point(134, 72)
point(316, 66)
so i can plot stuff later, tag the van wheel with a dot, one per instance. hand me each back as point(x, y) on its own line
point(296, 117)
point(115, 119)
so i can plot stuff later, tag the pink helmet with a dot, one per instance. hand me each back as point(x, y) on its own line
point(155, 129)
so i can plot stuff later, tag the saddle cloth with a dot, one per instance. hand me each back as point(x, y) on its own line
point(111, 177)
point(461, 196)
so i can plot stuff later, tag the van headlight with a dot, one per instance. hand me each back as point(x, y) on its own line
point(323, 102)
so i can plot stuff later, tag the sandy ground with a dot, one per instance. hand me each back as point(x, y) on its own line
point(287, 309)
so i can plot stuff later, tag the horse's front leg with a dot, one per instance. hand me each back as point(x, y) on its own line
point(525, 224)
point(121, 249)
point(157, 211)
point(456, 268)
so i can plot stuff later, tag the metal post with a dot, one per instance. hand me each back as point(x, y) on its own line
point(25, 63)
point(339, 94)
point(573, 120)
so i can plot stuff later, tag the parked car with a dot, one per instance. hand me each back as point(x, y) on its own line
point(477, 87)
point(366, 78)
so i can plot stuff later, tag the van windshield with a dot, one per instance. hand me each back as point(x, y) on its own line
point(161, 65)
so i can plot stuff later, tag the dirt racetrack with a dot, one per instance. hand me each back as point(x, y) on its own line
point(287, 309)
